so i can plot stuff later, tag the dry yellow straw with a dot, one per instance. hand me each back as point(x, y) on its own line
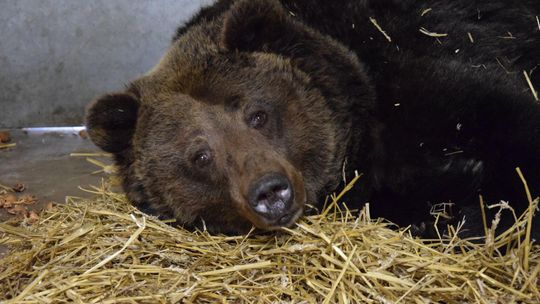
point(6, 146)
point(431, 34)
point(102, 250)
point(533, 91)
point(379, 28)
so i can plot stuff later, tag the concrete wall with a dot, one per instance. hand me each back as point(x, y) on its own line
point(56, 55)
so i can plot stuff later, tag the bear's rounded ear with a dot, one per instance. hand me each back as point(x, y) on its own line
point(251, 25)
point(110, 121)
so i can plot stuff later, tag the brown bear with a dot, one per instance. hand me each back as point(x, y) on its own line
point(262, 106)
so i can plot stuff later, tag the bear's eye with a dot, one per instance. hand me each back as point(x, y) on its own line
point(257, 119)
point(202, 158)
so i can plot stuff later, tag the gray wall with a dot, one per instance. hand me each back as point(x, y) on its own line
point(56, 55)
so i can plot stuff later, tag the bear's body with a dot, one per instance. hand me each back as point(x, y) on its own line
point(260, 106)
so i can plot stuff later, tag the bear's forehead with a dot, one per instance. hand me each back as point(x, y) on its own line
point(232, 88)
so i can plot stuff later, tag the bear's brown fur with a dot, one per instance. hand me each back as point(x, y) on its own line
point(252, 89)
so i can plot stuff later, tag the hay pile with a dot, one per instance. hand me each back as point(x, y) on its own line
point(105, 251)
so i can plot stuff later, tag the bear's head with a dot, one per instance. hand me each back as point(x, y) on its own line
point(240, 124)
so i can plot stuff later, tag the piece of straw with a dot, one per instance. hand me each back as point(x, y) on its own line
point(533, 90)
point(432, 34)
point(379, 28)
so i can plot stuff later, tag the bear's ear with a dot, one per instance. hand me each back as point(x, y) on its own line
point(110, 121)
point(252, 25)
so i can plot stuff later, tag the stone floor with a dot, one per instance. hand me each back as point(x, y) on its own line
point(43, 163)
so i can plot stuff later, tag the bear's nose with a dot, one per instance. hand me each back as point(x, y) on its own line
point(271, 197)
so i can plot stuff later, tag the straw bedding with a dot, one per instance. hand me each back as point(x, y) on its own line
point(103, 250)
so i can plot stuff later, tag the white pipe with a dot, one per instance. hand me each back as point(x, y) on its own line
point(43, 130)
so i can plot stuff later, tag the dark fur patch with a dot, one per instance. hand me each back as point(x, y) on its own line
point(249, 25)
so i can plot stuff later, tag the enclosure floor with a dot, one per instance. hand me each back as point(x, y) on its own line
point(43, 163)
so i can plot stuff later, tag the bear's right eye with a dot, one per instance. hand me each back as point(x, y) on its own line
point(202, 158)
point(257, 119)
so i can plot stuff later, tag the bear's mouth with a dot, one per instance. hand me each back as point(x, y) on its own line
point(286, 220)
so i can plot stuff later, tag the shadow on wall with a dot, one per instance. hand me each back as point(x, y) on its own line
point(56, 55)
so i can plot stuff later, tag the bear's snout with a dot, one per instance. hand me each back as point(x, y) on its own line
point(272, 197)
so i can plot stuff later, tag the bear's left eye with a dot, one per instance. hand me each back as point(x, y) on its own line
point(257, 119)
point(202, 158)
